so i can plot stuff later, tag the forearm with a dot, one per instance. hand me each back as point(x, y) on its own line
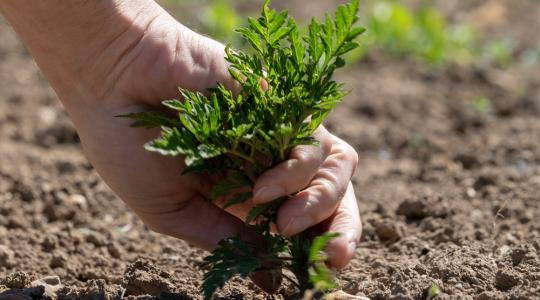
point(76, 43)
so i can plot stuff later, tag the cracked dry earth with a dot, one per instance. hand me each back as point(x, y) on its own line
point(449, 195)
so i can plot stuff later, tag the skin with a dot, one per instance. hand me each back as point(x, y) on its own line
point(110, 57)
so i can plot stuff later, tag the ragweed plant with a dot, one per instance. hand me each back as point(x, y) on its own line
point(241, 135)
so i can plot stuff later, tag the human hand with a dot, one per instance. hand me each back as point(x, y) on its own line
point(133, 70)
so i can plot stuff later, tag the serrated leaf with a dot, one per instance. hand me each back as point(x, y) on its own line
point(348, 47)
point(280, 34)
point(173, 104)
point(261, 209)
point(233, 182)
point(253, 40)
point(232, 257)
point(278, 22)
point(320, 275)
point(355, 33)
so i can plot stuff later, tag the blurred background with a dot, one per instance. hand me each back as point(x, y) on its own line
point(444, 111)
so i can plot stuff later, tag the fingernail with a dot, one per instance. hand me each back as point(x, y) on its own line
point(297, 225)
point(268, 193)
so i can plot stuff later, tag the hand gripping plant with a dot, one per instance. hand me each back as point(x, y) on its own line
point(242, 135)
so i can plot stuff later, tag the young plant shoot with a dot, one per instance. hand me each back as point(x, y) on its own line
point(241, 135)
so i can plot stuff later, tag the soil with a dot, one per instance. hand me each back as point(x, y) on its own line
point(449, 194)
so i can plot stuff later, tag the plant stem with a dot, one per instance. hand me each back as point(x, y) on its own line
point(242, 156)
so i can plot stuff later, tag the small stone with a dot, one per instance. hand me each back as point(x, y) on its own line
point(114, 250)
point(49, 243)
point(65, 167)
point(58, 260)
point(490, 295)
point(142, 277)
point(506, 279)
point(96, 239)
point(341, 295)
point(51, 284)
point(78, 200)
point(517, 255)
point(389, 231)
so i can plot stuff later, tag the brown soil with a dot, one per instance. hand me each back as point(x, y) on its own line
point(449, 195)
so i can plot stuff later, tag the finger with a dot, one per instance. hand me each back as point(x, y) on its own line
point(345, 221)
point(321, 199)
point(295, 173)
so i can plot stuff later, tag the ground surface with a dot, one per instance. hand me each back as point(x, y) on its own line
point(449, 194)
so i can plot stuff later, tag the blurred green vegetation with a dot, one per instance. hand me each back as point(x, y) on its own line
point(423, 34)
point(482, 105)
point(426, 35)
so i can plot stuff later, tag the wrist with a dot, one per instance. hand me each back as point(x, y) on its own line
point(76, 43)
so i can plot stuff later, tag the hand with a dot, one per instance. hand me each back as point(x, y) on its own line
point(133, 70)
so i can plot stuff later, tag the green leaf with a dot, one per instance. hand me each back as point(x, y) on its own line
point(235, 181)
point(280, 34)
point(261, 209)
point(433, 292)
point(257, 27)
point(253, 40)
point(173, 104)
point(209, 151)
point(278, 22)
point(232, 257)
point(320, 275)
point(355, 33)
point(348, 47)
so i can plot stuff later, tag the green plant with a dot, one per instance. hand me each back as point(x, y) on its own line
point(424, 34)
point(499, 52)
point(482, 105)
point(241, 135)
point(531, 57)
point(433, 292)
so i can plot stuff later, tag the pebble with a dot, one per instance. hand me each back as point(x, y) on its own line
point(78, 200)
point(51, 284)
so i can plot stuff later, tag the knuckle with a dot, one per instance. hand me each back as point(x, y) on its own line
point(345, 152)
point(328, 185)
point(307, 156)
point(326, 146)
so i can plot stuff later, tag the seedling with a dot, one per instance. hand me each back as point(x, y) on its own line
point(433, 292)
point(241, 135)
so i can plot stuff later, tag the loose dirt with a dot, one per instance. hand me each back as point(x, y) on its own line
point(449, 194)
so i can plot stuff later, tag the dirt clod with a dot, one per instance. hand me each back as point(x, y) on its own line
point(389, 231)
point(7, 257)
point(143, 278)
point(506, 279)
point(17, 280)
